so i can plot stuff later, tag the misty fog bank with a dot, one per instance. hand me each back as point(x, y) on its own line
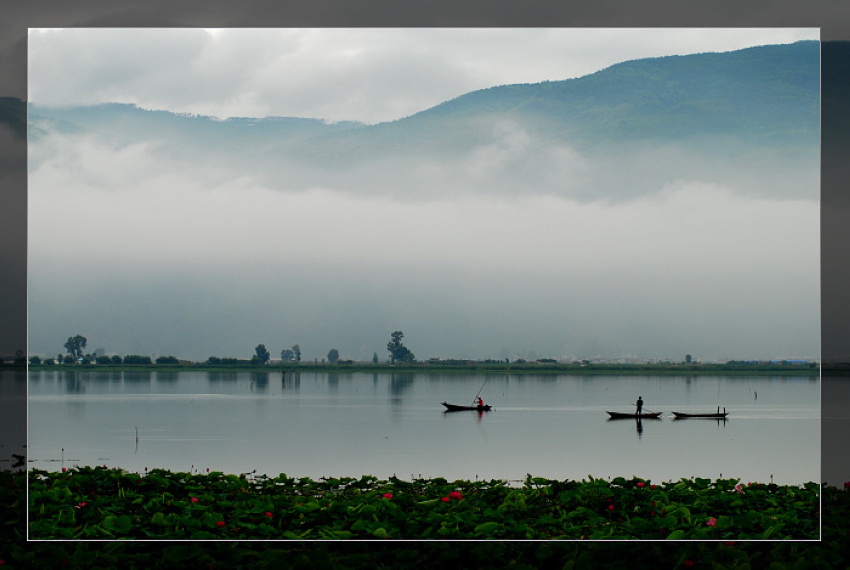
point(169, 265)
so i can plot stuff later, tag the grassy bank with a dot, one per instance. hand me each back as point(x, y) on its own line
point(164, 499)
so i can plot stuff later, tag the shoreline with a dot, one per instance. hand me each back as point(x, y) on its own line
point(474, 368)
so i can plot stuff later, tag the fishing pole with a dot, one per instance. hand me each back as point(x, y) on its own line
point(645, 409)
point(479, 391)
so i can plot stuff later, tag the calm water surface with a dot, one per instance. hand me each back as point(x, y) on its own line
point(352, 424)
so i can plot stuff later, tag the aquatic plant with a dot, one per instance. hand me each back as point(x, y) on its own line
point(86, 502)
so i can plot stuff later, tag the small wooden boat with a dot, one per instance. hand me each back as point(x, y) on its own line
point(456, 408)
point(641, 416)
point(717, 415)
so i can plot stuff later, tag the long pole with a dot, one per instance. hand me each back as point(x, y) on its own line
point(647, 409)
point(479, 391)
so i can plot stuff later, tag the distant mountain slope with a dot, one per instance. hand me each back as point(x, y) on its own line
point(767, 94)
point(755, 106)
point(760, 92)
point(134, 123)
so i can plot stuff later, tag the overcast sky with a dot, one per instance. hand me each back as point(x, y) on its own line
point(145, 252)
point(367, 75)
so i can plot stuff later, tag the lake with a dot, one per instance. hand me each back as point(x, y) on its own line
point(321, 424)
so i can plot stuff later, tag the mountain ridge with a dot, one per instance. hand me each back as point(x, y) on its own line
point(681, 115)
point(643, 98)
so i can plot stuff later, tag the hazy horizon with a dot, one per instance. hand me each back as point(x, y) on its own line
point(147, 251)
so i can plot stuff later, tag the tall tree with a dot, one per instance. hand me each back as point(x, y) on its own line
point(333, 356)
point(262, 354)
point(297, 351)
point(75, 346)
point(398, 352)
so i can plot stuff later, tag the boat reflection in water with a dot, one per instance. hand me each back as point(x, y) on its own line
point(637, 417)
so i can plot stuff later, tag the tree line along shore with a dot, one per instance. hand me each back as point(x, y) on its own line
point(400, 357)
point(770, 369)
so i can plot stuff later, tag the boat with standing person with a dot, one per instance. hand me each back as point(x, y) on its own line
point(634, 416)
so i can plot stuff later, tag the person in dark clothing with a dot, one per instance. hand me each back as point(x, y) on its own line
point(639, 405)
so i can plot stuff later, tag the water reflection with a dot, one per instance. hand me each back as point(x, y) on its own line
point(107, 376)
point(137, 376)
point(291, 381)
point(221, 376)
point(400, 382)
point(349, 437)
point(169, 376)
point(72, 382)
point(333, 381)
point(260, 380)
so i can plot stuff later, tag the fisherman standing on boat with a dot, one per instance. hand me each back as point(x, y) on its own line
point(639, 405)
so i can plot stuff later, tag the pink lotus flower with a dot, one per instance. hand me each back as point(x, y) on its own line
point(268, 514)
point(65, 469)
point(445, 499)
point(194, 499)
point(846, 484)
point(712, 522)
point(610, 507)
point(388, 495)
point(652, 487)
point(456, 495)
point(220, 524)
point(640, 484)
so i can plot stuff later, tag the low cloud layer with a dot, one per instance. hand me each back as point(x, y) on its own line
point(147, 256)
